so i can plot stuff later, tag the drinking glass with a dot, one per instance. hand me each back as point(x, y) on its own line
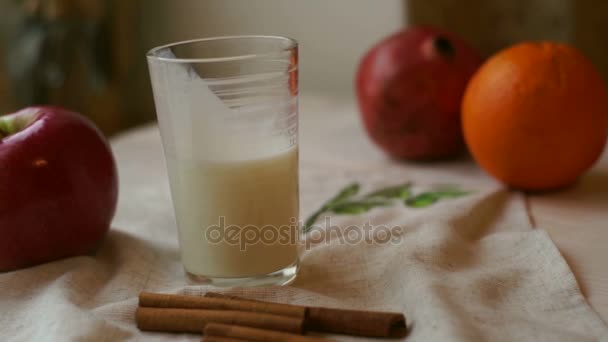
point(228, 116)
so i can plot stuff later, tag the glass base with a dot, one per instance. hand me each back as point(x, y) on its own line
point(280, 277)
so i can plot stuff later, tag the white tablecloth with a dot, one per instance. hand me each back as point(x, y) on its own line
point(466, 269)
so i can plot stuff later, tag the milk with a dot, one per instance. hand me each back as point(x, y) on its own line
point(249, 193)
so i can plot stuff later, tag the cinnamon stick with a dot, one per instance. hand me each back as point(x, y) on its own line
point(194, 320)
point(349, 322)
point(159, 300)
point(222, 339)
point(254, 334)
point(354, 322)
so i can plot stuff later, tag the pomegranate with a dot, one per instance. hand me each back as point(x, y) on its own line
point(409, 88)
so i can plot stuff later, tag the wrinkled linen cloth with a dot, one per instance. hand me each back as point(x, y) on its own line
point(470, 268)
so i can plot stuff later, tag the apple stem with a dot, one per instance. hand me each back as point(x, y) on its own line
point(3, 129)
point(14, 123)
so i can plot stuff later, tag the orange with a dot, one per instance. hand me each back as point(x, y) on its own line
point(535, 115)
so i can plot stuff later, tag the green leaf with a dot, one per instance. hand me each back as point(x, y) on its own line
point(422, 200)
point(357, 207)
point(450, 193)
point(344, 194)
point(427, 198)
point(397, 191)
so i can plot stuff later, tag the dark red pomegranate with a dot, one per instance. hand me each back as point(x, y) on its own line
point(410, 87)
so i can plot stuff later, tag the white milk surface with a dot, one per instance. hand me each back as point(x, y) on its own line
point(247, 193)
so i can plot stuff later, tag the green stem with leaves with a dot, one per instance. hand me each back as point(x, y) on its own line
point(344, 202)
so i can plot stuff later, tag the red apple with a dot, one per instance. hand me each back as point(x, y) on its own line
point(58, 186)
point(410, 87)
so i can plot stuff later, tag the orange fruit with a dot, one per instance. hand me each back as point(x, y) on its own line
point(535, 115)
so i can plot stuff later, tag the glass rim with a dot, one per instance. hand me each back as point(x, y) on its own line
point(152, 53)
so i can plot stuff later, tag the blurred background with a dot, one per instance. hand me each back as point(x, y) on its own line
point(89, 55)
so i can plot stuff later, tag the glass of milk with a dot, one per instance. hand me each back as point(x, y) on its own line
point(228, 116)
